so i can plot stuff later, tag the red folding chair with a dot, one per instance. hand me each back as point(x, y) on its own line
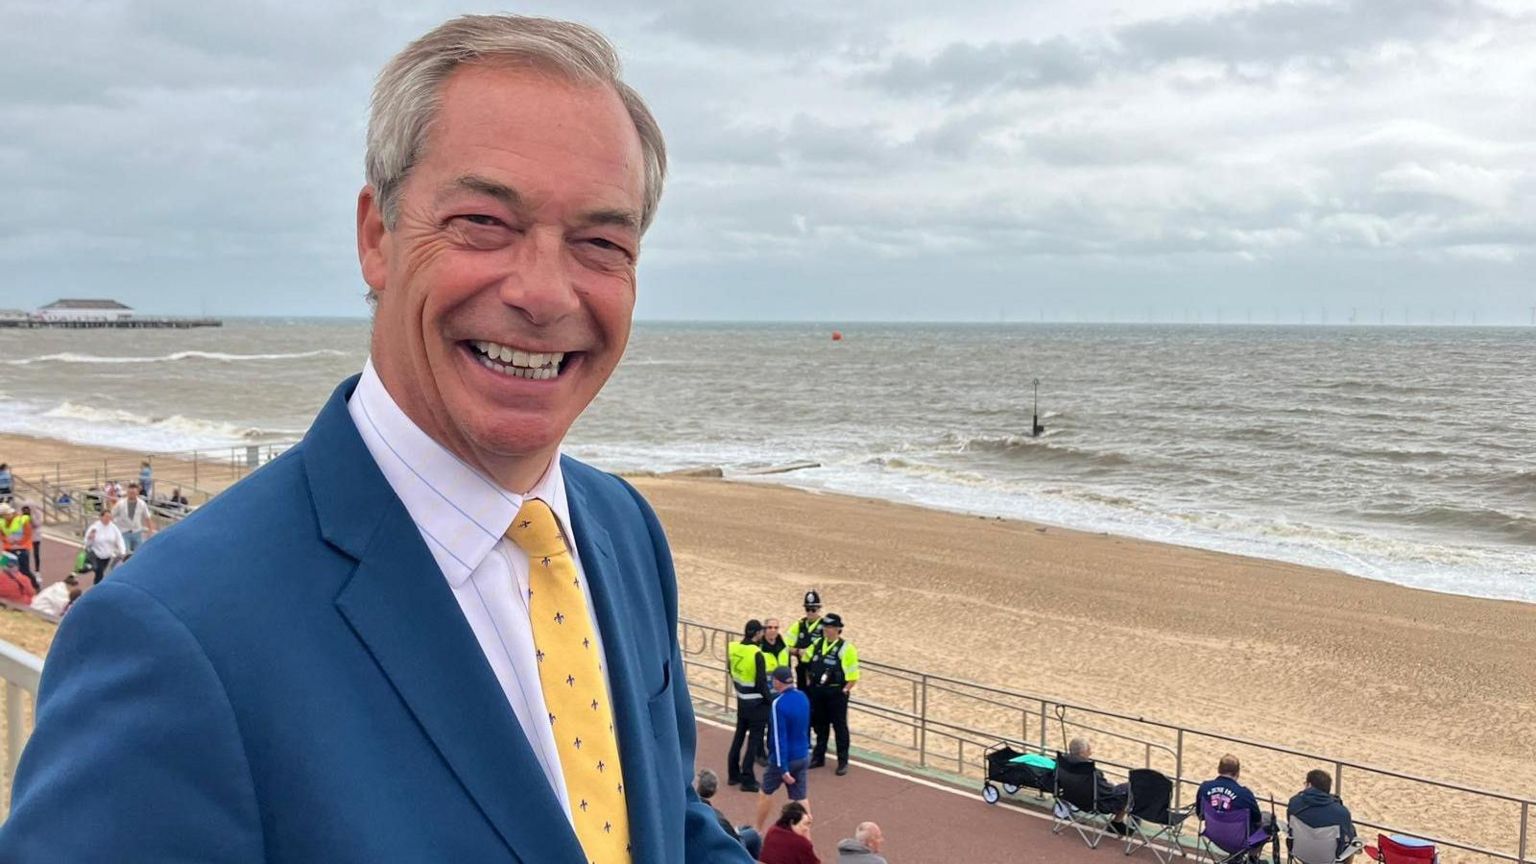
point(1389, 851)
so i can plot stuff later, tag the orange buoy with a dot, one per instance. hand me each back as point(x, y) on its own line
point(837, 335)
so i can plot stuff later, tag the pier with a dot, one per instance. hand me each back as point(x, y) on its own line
point(132, 323)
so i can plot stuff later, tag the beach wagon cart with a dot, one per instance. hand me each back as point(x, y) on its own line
point(1015, 770)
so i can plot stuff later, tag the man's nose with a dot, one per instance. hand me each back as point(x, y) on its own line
point(540, 282)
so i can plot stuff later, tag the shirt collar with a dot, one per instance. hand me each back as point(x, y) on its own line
point(462, 513)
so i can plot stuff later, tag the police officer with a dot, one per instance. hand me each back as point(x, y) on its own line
point(833, 665)
point(800, 636)
point(749, 676)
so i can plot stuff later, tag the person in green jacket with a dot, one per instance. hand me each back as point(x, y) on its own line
point(749, 677)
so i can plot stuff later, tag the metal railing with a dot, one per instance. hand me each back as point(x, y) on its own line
point(939, 723)
point(200, 474)
point(20, 671)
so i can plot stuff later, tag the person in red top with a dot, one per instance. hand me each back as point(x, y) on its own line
point(14, 586)
point(789, 840)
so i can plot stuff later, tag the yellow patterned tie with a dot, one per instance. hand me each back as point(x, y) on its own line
point(572, 679)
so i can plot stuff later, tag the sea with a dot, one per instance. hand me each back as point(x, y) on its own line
point(1405, 454)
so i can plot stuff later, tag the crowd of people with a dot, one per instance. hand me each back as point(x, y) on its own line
point(1315, 806)
point(125, 516)
point(791, 687)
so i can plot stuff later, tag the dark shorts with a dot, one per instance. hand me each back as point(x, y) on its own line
point(773, 778)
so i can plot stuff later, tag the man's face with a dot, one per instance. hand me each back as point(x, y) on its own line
point(106, 517)
point(133, 493)
point(506, 287)
point(813, 612)
point(833, 633)
point(771, 630)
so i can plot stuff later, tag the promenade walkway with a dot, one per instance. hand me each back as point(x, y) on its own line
point(923, 822)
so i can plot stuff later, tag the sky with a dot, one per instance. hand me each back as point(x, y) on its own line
point(1161, 160)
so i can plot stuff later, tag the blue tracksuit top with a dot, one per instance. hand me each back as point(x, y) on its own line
point(789, 732)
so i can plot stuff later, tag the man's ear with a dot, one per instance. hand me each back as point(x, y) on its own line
point(372, 239)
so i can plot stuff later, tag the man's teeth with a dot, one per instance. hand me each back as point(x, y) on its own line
point(519, 364)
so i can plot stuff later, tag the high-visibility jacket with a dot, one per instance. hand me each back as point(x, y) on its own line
point(748, 671)
point(18, 533)
point(774, 658)
point(802, 633)
point(833, 664)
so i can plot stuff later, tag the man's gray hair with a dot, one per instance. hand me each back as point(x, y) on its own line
point(708, 784)
point(407, 95)
point(1079, 747)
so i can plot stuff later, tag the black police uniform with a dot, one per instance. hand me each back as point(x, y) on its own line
point(829, 703)
point(806, 634)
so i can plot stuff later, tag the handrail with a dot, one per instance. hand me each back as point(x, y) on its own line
point(21, 672)
point(922, 724)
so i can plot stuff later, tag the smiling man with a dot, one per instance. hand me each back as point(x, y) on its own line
point(469, 651)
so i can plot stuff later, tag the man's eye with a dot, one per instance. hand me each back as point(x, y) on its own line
point(481, 219)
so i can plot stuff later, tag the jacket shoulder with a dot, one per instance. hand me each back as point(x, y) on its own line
point(247, 542)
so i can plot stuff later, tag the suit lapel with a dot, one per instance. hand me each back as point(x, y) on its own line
point(401, 608)
point(613, 601)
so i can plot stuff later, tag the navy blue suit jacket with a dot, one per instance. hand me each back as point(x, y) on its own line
point(286, 677)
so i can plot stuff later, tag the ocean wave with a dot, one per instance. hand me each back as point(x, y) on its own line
point(1037, 450)
point(218, 356)
point(112, 427)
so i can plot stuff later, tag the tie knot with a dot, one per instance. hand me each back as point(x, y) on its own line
point(536, 531)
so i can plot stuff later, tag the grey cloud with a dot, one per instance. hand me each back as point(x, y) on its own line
point(1252, 43)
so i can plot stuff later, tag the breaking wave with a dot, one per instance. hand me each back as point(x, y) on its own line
point(217, 356)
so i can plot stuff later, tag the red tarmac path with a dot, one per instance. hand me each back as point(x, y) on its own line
point(923, 824)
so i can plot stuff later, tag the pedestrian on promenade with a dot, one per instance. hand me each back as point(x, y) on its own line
point(132, 517)
point(863, 847)
point(103, 542)
point(37, 542)
point(789, 745)
point(749, 678)
point(834, 670)
point(7, 483)
point(16, 537)
point(147, 480)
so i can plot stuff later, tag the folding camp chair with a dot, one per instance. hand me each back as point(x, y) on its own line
point(1148, 808)
point(1401, 850)
point(1225, 837)
point(1077, 803)
point(1310, 845)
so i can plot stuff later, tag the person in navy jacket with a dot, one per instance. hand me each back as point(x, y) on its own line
point(376, 697)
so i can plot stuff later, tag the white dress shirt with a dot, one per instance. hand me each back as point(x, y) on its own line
point(463, 516)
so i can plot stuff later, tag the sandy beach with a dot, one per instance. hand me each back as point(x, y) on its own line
point(1424, 683)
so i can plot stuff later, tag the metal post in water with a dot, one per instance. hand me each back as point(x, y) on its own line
point(1035, 428)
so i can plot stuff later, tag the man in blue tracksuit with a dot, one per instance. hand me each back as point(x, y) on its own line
point(789, 745)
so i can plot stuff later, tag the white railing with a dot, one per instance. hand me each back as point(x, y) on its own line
point(20, 671)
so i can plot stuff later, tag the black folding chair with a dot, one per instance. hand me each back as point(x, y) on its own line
point(1150, 818)
point(1077, 803)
